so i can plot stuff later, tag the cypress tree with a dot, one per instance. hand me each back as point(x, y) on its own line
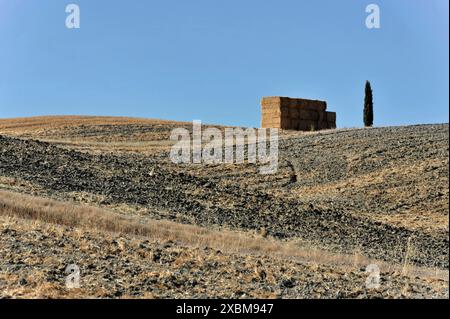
point(368, 106)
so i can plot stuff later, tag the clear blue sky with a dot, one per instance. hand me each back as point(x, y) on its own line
point(213, 60)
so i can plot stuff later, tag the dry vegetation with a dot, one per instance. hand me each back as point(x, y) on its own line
point(102, 220)
point(88, 236)
point(353, 203)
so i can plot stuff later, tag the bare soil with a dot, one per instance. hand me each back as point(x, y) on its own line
point(381, 193)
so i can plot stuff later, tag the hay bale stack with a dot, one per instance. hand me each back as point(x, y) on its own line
point(296, 114)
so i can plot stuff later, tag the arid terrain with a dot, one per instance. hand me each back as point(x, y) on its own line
point(102, 193)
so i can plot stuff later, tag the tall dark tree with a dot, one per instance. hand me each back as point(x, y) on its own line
point(368, 106)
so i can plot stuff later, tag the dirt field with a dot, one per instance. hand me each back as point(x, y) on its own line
point(341, 199)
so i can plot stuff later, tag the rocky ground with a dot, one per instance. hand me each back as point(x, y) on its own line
point(382, 192)
point(34, 257)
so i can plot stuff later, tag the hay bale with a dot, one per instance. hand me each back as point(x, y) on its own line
point(322, 125)
point(298, 114)
point(308, 115)
point(271, 100)
point(305, 125)
point(331, 116)
point(312, 105)
point(269, 108)
point(293, 113)
point(285, 122)
point(295, 123)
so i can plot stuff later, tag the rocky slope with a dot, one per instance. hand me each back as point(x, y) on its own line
point(343, 220)
point(34, 257)
point(381, 193)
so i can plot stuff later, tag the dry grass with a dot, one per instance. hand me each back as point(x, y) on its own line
point(39, 124)
point(30, 124)
point(52, 129)
point(409, 252)
point(146, 146)
point(55, 129)
point(422, 216)
point(102, 220)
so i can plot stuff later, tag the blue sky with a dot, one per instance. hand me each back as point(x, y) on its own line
point(214, 60)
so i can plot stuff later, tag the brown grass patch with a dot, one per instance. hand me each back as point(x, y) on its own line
point(102, 220)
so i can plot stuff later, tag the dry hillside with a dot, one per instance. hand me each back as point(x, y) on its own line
point(102, 193)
